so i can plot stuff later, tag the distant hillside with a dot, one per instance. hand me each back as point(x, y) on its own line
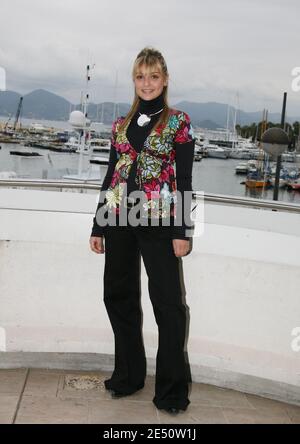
point(8, 102)
point(217, 113)
point(42, 104)
point(45, 105)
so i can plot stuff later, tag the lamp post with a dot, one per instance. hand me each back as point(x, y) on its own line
point(274, 142)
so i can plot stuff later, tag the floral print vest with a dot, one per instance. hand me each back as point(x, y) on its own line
point(156, 168)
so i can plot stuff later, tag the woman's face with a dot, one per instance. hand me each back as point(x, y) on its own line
point(149, 82)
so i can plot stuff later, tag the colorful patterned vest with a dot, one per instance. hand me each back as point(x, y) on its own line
point(156, 168)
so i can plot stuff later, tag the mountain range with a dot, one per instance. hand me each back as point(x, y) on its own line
point(42, 104)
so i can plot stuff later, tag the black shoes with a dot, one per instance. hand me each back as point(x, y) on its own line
point(115, 394)
point(172, 410)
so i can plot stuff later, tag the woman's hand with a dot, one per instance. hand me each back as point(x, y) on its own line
point(181, 247)
point(96, 244)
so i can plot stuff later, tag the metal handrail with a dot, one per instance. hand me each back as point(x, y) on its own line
point(38, 183)
point(207, 197)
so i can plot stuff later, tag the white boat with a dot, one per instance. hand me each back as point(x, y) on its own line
point(216, 151)
point(100, 145)
point(288, 157)
point(197, 157)
point(72, 143)
point(282, 182)
point(98, 141)
point(241, 168)
point(99, 160)
point(246, 167)
point(240, 153)
point(252, 165)
point(36, 127)
point(244, 150)
point(200, 138)
point(246, 144)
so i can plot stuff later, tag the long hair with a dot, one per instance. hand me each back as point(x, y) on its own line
point(150, 57)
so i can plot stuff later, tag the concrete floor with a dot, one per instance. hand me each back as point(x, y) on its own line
point(35, 396)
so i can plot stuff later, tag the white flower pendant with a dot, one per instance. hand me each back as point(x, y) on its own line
point(143, 120)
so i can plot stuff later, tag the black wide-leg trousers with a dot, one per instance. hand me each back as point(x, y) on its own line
point(122, 298)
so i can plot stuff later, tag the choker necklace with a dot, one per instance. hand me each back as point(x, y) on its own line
point(144, 119)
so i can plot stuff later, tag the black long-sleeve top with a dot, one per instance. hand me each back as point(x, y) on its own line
point(184, 156)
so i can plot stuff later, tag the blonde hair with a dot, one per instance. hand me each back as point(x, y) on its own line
point(150, 57)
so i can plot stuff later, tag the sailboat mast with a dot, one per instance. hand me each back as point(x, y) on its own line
point(102, 112)
point(115, 97)
point(85, 132)
point(227, 123)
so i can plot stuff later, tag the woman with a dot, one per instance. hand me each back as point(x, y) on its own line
point(152, 152)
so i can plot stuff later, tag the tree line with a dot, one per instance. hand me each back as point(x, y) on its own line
point(255, 131)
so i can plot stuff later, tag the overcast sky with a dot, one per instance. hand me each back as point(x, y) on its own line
point(213, 48)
